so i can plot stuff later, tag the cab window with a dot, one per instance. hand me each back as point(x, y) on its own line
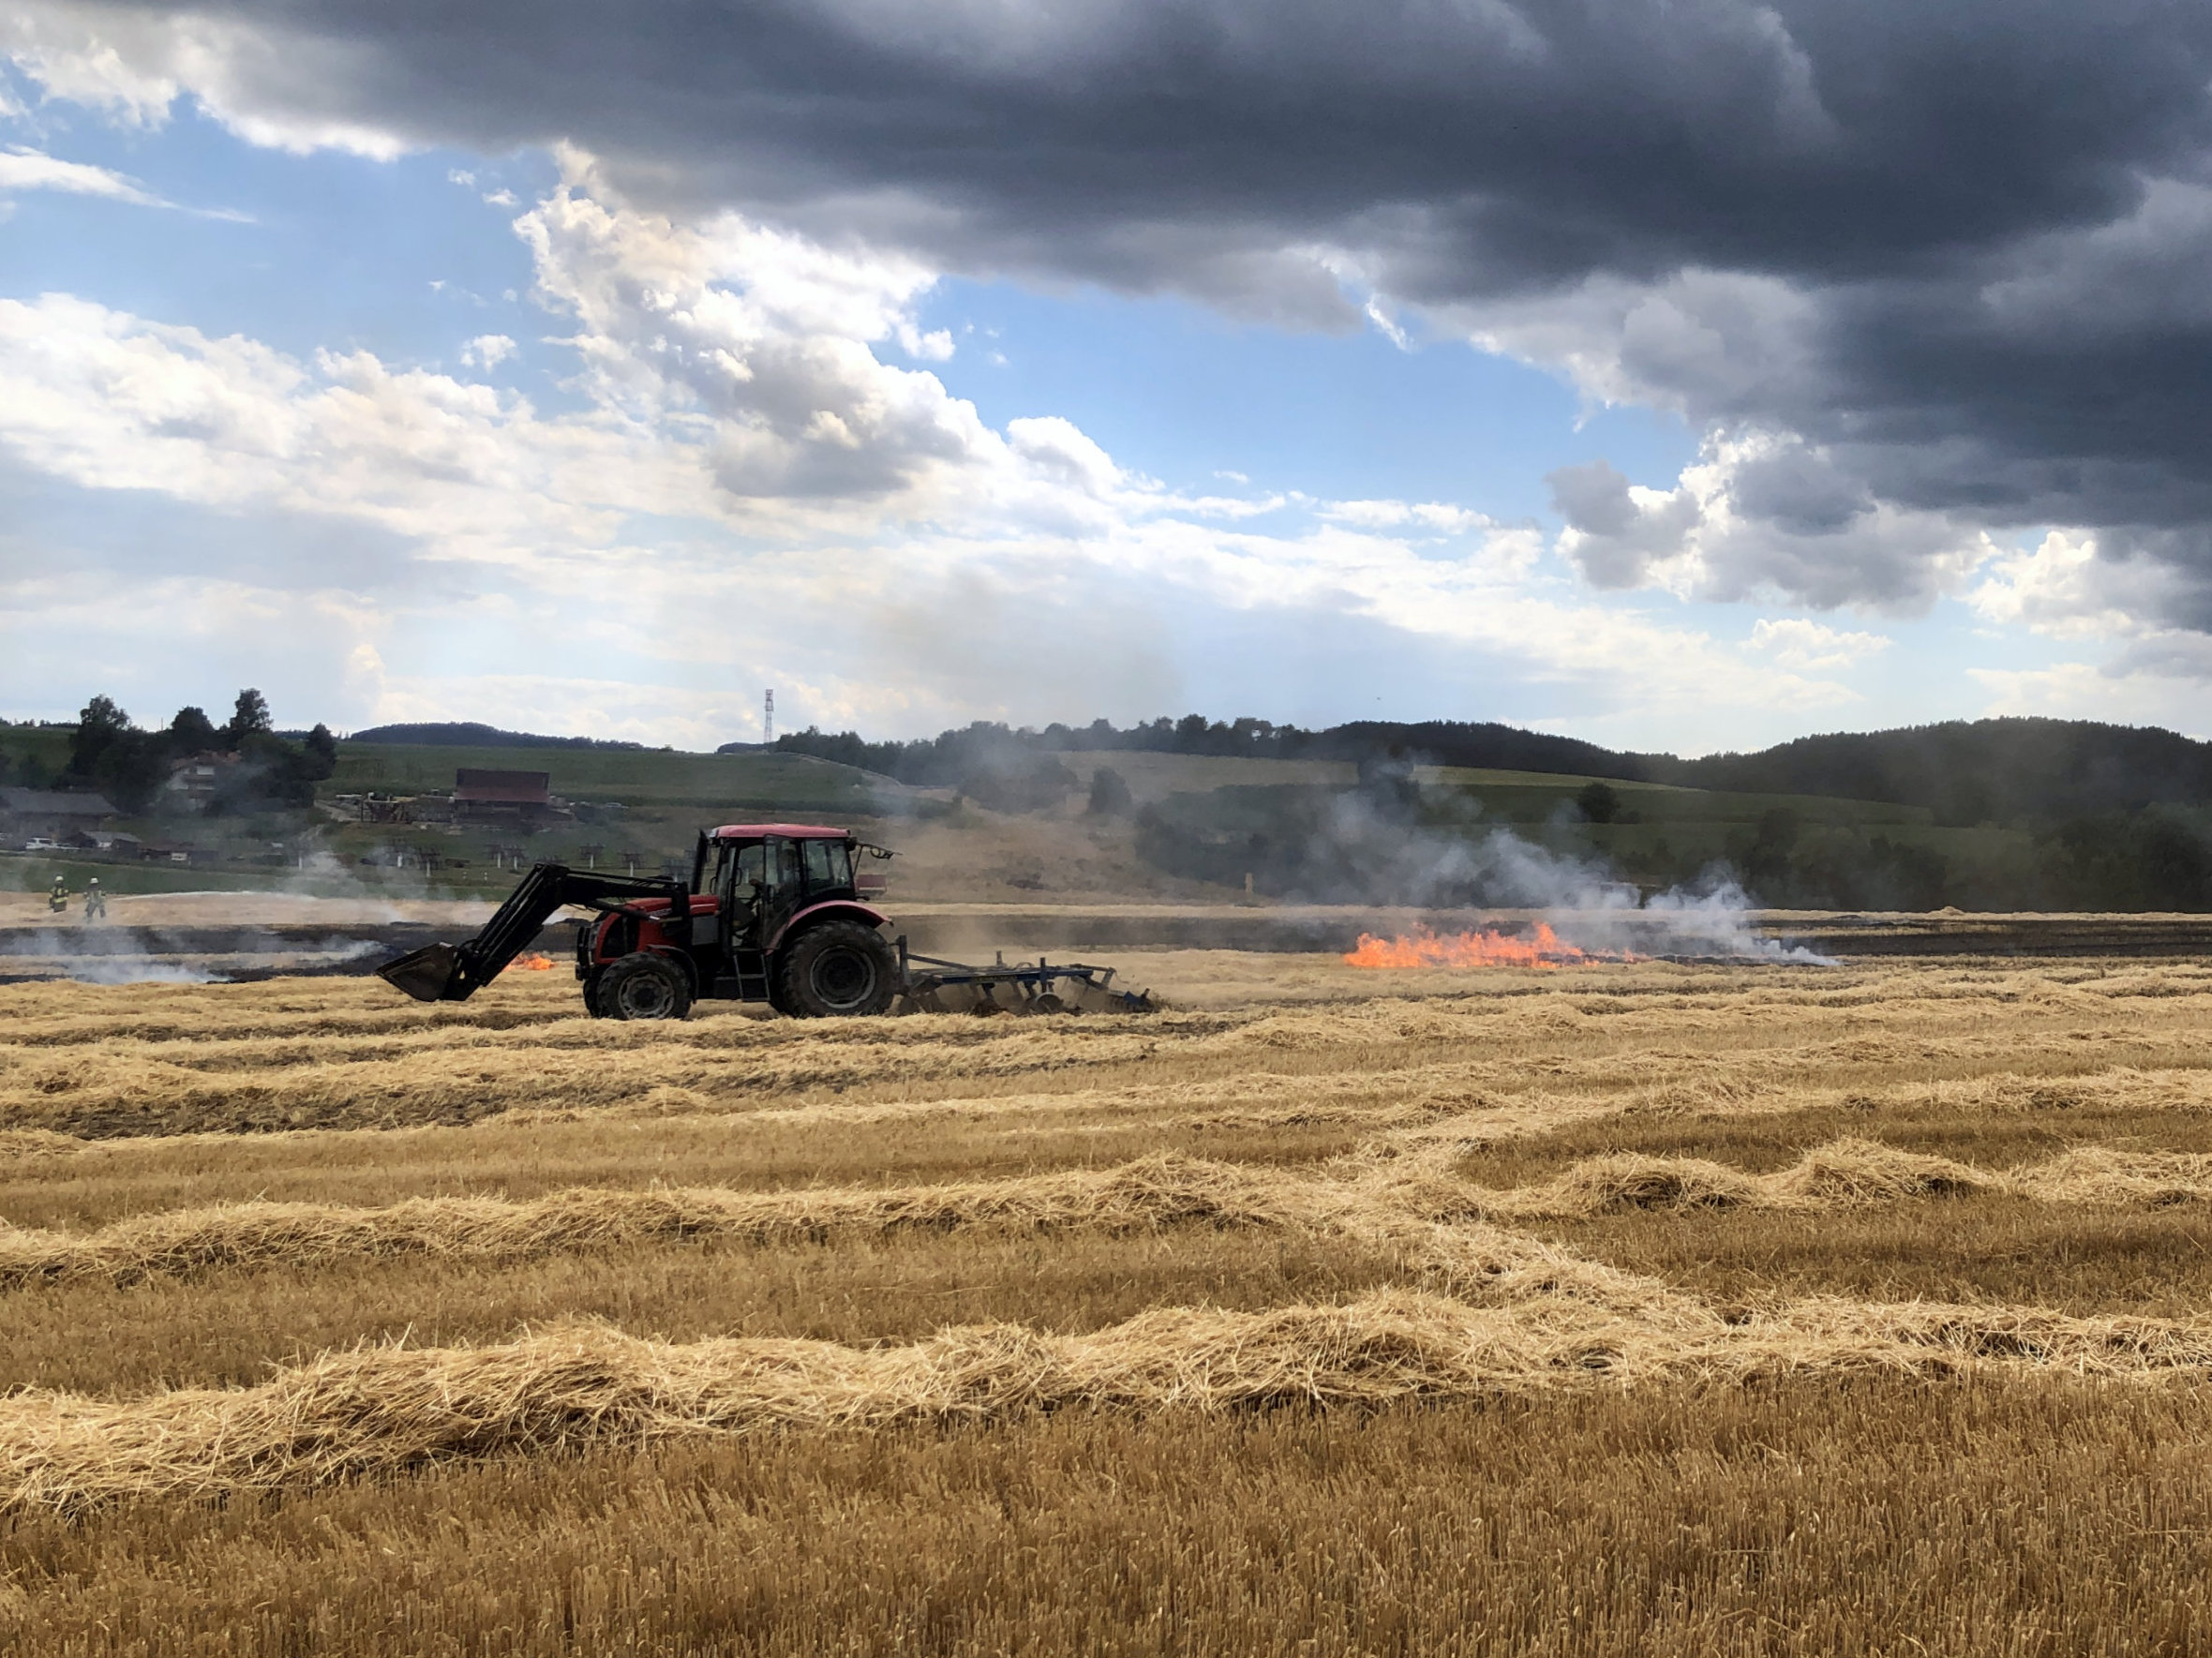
point(827, 865)
point(784, 859)
point(752, 868)
point(722, 858)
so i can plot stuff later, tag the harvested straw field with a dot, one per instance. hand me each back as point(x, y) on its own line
point(1634, 1307)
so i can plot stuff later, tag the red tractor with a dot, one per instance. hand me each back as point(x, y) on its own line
point(773, 913)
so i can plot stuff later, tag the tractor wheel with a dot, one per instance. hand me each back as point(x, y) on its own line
point(643, 986)
point(839, 969)
point(592, 994)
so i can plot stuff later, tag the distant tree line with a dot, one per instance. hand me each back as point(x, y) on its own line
point(470, 733)
point(110, 753)
point(1962, 772)
point(940, 761)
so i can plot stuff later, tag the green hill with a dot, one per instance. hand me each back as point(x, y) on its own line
point(1962, 772)
point(1975, 771)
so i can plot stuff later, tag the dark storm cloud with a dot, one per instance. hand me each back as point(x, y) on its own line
point(1989, 216)
point(1521, 144)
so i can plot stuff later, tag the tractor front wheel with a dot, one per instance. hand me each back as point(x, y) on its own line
point(643, 986)
point(838, 970)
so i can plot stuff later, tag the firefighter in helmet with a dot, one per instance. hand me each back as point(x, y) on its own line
point(96, 901)
point(58, 899)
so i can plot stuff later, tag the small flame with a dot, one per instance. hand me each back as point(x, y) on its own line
point(1543, 949)
point(531, 964)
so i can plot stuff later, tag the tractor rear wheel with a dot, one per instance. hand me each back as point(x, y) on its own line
point(837, 970)
point(643, 986)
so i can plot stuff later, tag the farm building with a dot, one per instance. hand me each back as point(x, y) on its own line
point(521, 800)
point(194, 780)
point(62, 815)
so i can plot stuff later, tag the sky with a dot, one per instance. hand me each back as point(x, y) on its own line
point(1682, 375)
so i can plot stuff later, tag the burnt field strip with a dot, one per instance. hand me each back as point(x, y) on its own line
point(249, 952)
point(1539, 1311)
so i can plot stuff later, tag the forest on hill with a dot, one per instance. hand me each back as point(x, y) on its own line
point(1964, 773)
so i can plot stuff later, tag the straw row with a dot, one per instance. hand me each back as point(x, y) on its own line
point(284, 1070)
point(1379, 1196)
point(1405, 1205)
point(385, 1409)
point(1853, 1171)
point(1151, 1193)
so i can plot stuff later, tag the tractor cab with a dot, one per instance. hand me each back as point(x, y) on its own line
point(763, 875)
point(774, 914)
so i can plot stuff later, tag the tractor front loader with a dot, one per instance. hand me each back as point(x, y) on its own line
point(773, 913)
point(455, 971)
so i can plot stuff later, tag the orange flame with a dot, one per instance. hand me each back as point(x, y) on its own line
point(1545, 948)
point(531, 964)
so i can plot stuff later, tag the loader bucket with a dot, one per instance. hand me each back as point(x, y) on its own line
point(424, 974)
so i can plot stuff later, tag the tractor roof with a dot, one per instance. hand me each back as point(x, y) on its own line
point(790, 831)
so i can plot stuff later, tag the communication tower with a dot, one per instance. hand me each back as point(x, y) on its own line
point(768, 721)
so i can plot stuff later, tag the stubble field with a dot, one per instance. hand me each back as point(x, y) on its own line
point(1637, 1309)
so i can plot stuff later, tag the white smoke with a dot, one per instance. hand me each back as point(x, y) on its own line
point(1583, 900)
point(120, 958)
point(127, 969)
point(1709, 918)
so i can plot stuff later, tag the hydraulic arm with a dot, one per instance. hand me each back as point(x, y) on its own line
point(454, 972)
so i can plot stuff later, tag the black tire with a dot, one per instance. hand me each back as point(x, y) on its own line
point(592, 994)
point(644, 986)
point(776, 999)
point(837, 970)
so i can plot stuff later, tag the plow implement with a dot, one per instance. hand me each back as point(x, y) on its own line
point(933, 985)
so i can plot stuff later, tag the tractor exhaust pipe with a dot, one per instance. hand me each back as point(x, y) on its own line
point(425, 973)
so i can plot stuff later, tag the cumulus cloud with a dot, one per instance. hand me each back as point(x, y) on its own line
point(1762, 516)
point(1620, 535)
point(488, 350)
point(1796, 642)
point(744, 490)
